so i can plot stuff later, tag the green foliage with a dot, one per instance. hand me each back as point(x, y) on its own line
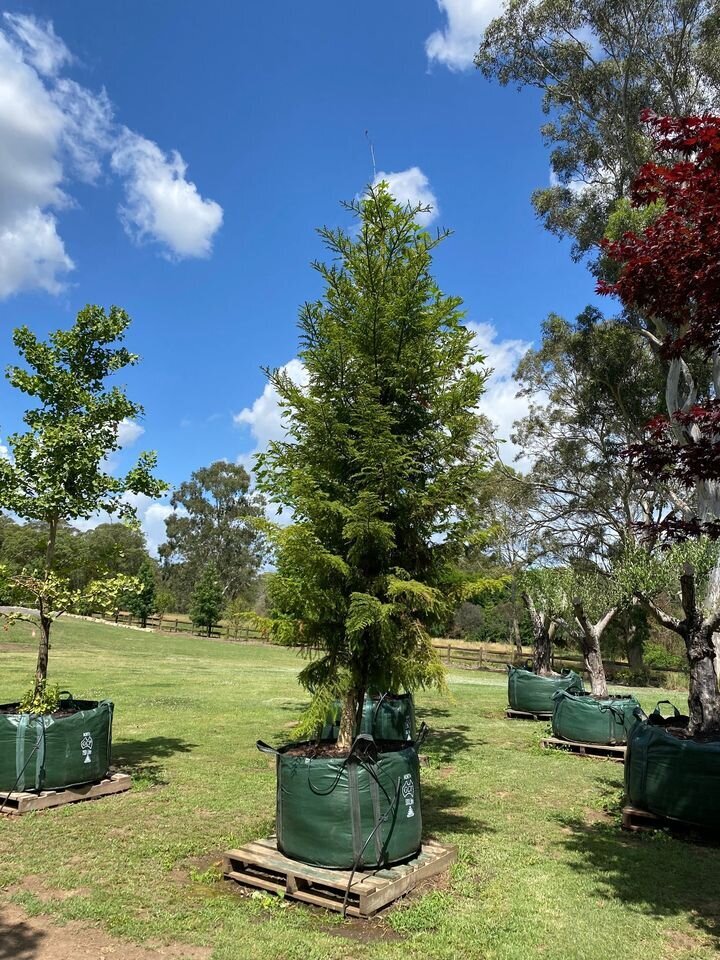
point(207, 599)
point(141, 601)
point(57, 468)
point(214, 521)
point(659, 657)
point(164, 601)
point(652, 575)
point(381, 464)
point(40, 699)
point(598, 64)
point(592, 386)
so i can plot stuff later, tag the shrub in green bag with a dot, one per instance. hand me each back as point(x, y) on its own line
point(49, 753)
point(387, 716)
point(362, 810)
point(588, 719)
point(672, 777)
point(534, 694)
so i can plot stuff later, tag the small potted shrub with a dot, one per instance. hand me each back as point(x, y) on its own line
point(57, 473)
point(380, 468)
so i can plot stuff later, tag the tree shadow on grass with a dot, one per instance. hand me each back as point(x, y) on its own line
point(445, 811)
point(139, 757)
point(18, 941)
point(655, 875)
point(443, 743)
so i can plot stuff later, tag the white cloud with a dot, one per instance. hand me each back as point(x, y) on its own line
point(457, 42)
point(53, 130)
point(128, 432)
point(500, 402)
point(413, 187)
point(40, 44)
point(151, 514)
point(264, 417)
point(161, 205)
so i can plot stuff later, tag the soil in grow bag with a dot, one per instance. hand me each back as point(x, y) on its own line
point(360, 810)
point(672, 775)
point(532, 693)
point(63, 749)
point(387, 716)
point(589, 719)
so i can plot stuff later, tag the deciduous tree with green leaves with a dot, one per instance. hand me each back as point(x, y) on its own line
point(380, 466)
point(57, 469)
point(207, 599)
point(141, 601)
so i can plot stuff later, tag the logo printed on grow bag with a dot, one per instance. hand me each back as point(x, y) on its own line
point(86, 745)
point(408, 791)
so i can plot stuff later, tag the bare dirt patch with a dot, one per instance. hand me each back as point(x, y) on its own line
point(36, 938)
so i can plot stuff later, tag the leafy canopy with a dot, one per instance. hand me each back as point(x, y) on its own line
point(381, 462)
point(58, 467)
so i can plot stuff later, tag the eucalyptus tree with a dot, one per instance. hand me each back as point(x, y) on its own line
point(57, 469)
point(380, 466)
point(213, 521)
point(591, 387)
point(598, 64)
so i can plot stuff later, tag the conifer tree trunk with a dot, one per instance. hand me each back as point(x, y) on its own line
point(348, 721)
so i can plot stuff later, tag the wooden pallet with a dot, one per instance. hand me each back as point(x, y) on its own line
point(259, 864)
point(525, 715)
point(640, 821)
point(15, 804)
point(606, 751)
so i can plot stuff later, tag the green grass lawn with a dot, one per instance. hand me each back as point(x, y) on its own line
point(543, 868)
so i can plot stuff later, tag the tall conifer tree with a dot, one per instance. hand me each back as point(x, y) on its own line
point(380, 466)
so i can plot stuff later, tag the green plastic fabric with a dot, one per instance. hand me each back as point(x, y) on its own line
point(534, 694)
point(671, 777)
point(43, 753)
point(589, 719)
point(352, 812)
point(387, 717)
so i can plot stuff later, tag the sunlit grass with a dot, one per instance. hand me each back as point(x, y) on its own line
point(543, 869)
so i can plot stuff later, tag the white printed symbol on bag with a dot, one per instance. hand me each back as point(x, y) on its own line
point(86, 745)
point(408, 792)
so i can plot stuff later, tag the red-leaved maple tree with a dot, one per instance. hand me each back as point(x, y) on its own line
point(670, 276)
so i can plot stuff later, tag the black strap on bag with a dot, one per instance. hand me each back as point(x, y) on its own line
point(266, 748)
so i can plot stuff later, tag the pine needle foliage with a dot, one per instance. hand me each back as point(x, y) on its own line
point(380, 465)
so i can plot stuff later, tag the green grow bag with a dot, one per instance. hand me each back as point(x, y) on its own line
point(387, 716)
point(358, 811)
point(588, 719)
point(48, 753)
point(671, 777)
point(534, 694)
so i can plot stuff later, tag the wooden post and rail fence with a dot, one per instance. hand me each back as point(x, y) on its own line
point(490, 657)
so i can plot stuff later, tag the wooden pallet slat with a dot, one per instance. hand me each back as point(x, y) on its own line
point(260, 864)
point(17, 803)
point(637, 821)
point(601, 751)
point(527, 715)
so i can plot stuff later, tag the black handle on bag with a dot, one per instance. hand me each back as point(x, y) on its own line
point(658, 712)
point(266, 748)
point(422, 734)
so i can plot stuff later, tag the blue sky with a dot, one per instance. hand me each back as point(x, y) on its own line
point(176, 158)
